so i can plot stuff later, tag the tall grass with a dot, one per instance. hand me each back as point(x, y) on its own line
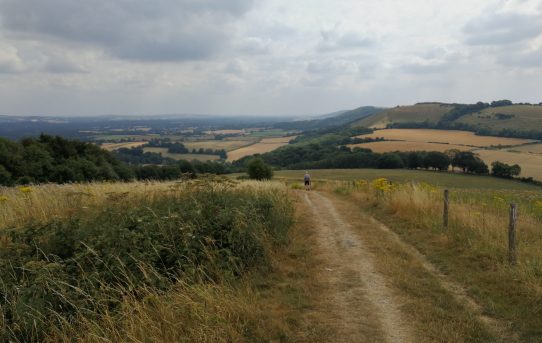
point(135, 262)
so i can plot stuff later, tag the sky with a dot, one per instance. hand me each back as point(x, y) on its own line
point(263, 57)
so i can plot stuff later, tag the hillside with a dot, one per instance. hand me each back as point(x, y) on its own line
point(342, 118)
point(515, 117)
point(431, 112)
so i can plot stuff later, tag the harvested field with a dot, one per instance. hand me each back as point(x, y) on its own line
point(116, 146)
point(531, 164)
point(528, 148)
point(265, 145)
point(390, 146)
point(188, 157)
point(445, 136)
point(226, 132)
point(227, 145)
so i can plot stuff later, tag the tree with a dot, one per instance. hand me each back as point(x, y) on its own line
point(469, 163)
point(258, 170)
point(5, 176)
point(500, 169)
point(390, 161)
point(437, 160)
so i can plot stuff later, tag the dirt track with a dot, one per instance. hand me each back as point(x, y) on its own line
point(361, 306)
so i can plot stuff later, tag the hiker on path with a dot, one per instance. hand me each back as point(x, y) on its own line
point(307, 180)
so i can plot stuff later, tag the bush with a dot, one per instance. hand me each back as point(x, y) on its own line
point(258, 170)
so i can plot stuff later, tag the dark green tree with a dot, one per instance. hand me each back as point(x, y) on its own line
point(258, 170)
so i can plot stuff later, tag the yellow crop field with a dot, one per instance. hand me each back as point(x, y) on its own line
point(265, 145)
point(531, 164)
point(445, 136)
point(116, 146)
point(390, 146)
point(530, 148)
point(188, 157)
point(227, 145)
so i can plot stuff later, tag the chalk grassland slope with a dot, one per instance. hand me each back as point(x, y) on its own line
point(442, 179)
point(445, 136)
point(133, 262)
point(116, 146)
point(188, 157)
point(431, 112)
point(265, 145)
point(515, 117)
point(390, 146)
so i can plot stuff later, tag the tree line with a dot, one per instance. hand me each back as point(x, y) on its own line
point(60, 160)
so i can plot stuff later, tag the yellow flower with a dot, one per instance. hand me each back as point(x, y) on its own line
point(3, 198)
point(382, 184)
point(26, 189)
point(538, 204)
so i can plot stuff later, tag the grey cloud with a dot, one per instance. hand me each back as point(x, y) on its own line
point(503, 29)
point(161, 30)
point(332, 40)
point(531, 59)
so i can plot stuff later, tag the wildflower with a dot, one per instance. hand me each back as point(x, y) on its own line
point(538, 204)
point(382, 185)
point(3, 198)
point(26, 189)
point(498, 199)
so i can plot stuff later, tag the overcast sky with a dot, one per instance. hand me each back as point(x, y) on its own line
point(263, 57)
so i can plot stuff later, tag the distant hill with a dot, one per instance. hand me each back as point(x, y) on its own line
point(431, 112)
point(515, 117)
point(339, 119)
point(499, 118)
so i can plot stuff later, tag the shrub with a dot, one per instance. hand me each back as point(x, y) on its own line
point(258, 170)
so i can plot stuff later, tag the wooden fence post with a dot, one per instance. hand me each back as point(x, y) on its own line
point(512, 258)
point(446, 206)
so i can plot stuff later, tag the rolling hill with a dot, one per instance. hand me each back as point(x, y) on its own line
point(517, 120)
point(341, 118)
point(430, 112)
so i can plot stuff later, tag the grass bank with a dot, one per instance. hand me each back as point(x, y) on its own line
point(140, 262)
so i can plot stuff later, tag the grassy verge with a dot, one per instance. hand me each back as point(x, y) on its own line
point(473, 251)
point(169, 262)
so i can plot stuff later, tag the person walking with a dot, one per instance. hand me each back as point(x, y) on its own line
point(307, 180)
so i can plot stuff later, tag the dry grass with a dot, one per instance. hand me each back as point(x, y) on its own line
point(390, 146)
point(116, 146)
point(265, 145)
point(43, 203)
point(530, 148)
point(445, 136)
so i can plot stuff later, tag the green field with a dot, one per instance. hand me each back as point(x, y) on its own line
point(441, 179)
point(401, 114)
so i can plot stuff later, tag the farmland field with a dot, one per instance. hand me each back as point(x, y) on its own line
point(445, 136)
point(188, 157)
point(442, 179)
point(265, 145)
point(390, 146)
point(116, 146)
point(227, 145)
point(531, 164)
